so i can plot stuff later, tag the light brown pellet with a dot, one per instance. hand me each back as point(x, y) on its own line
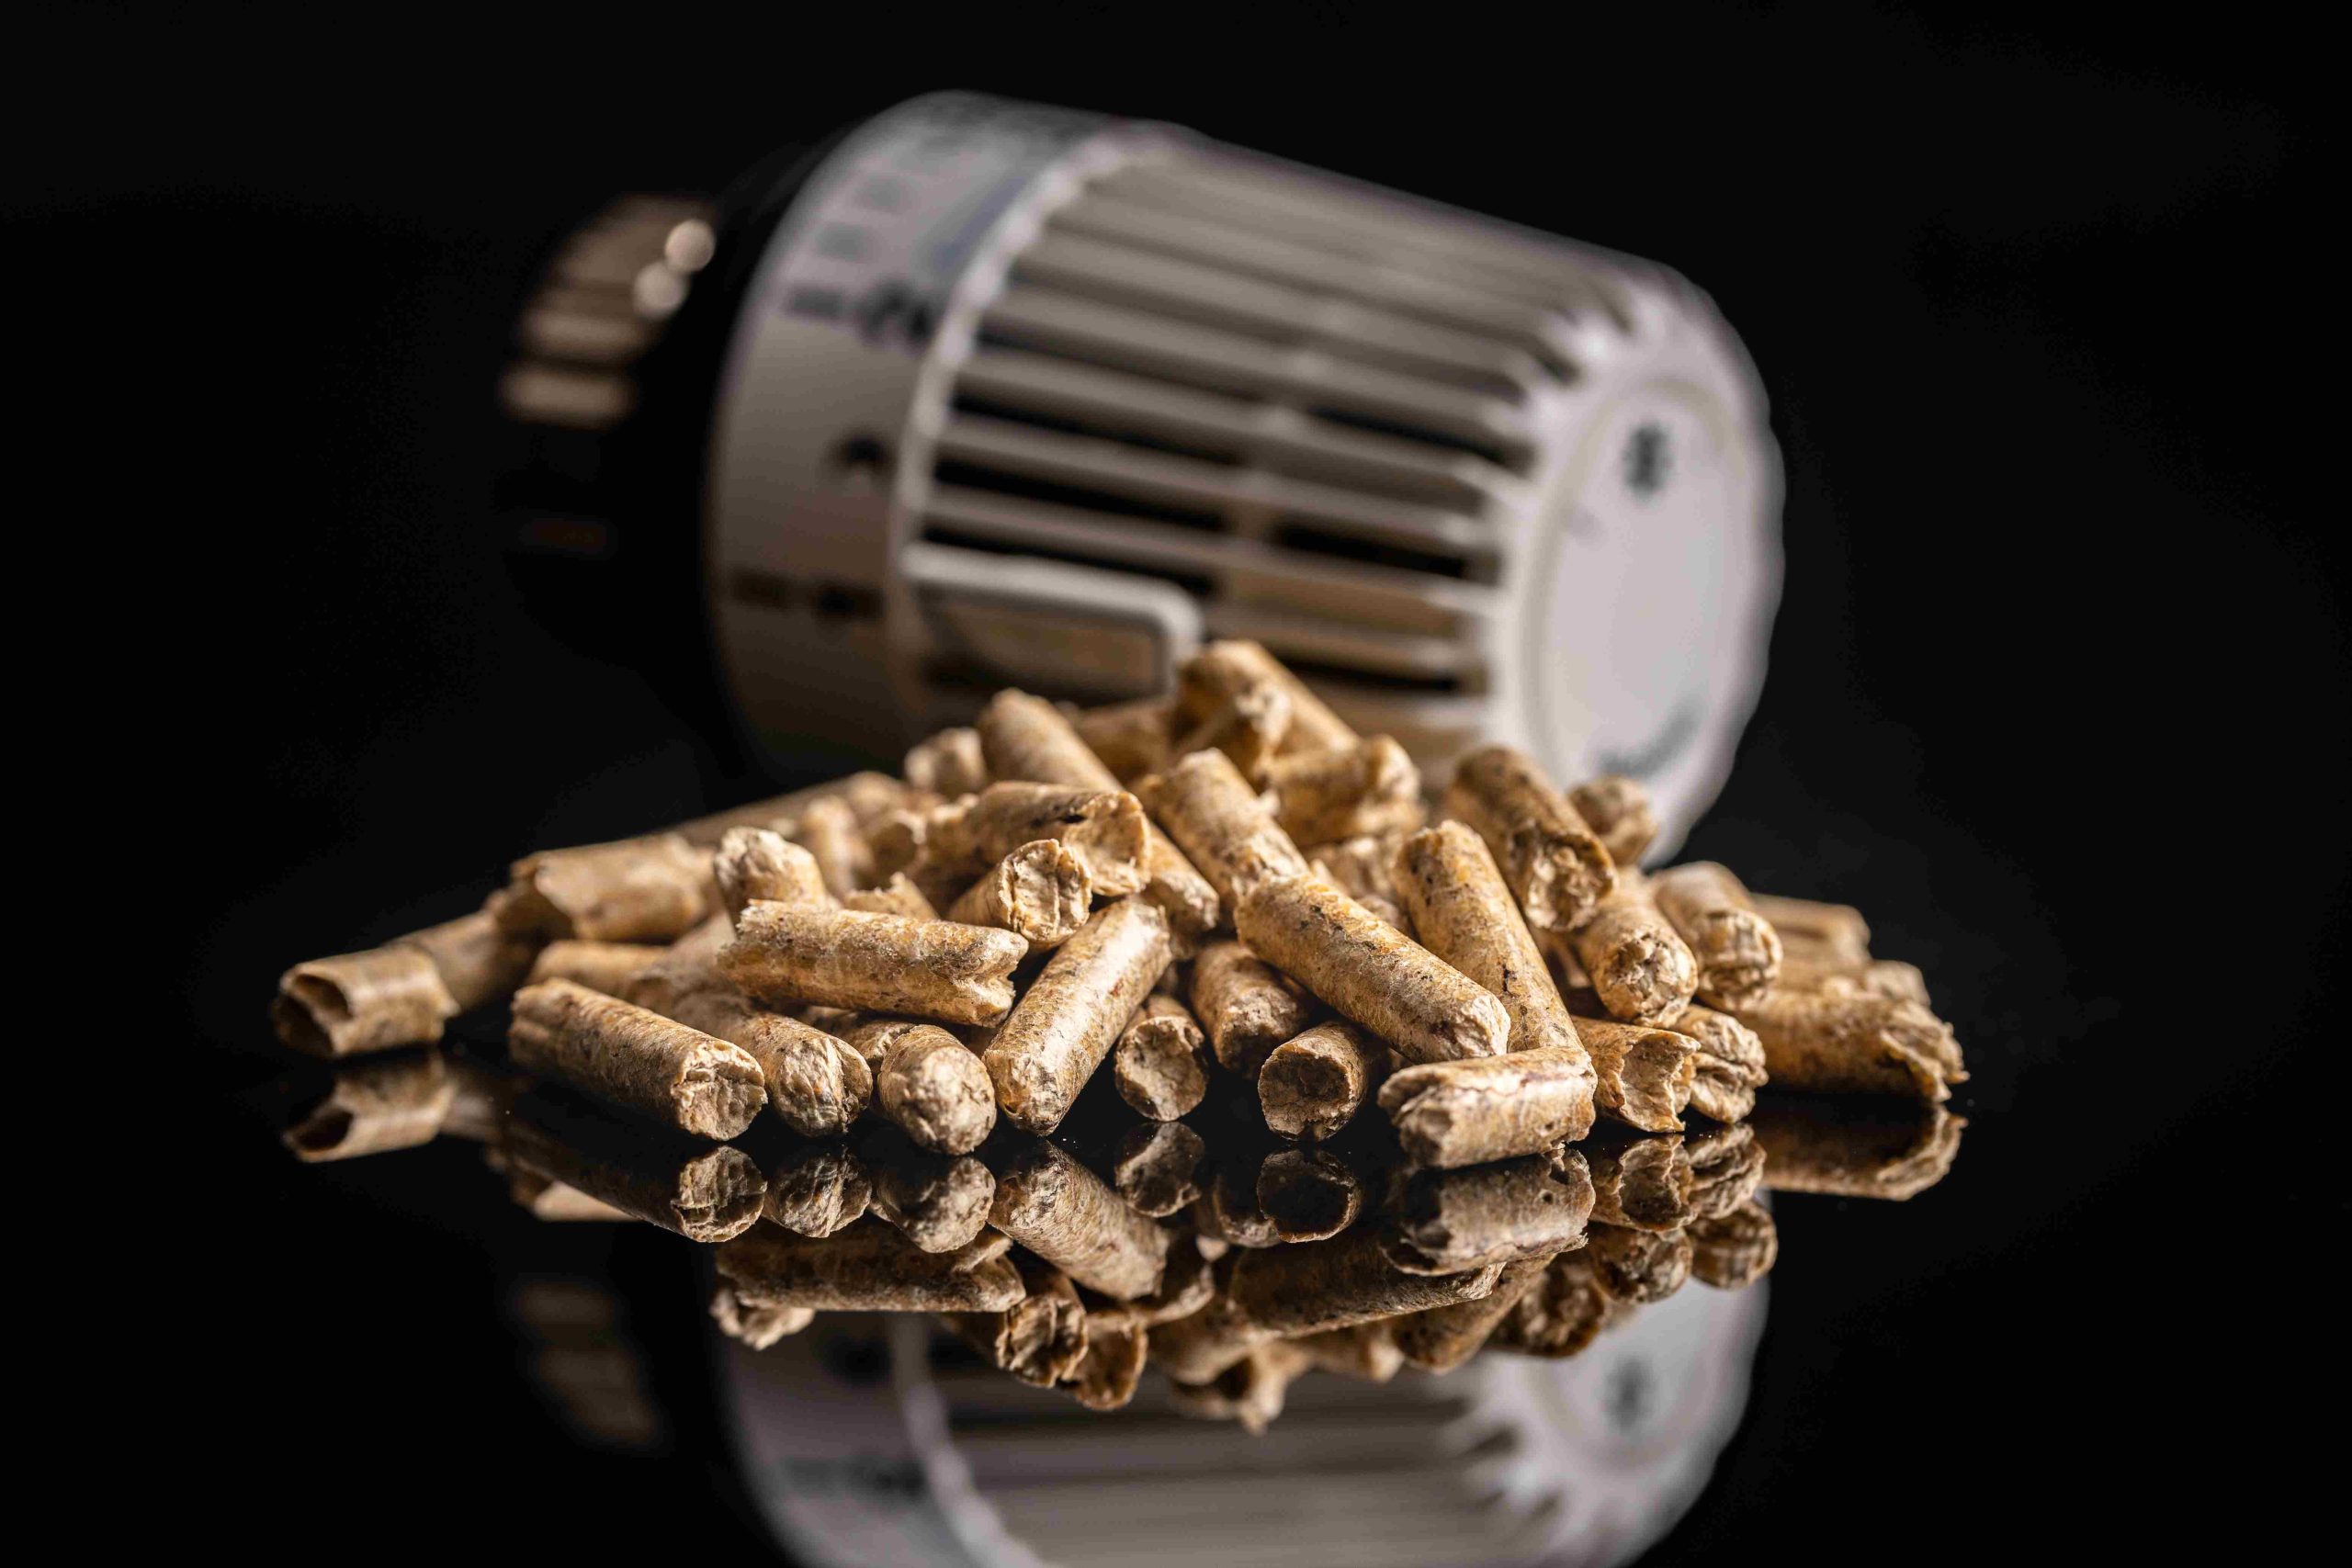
point(932, 969)
point(605, 967)
point(1363, 866)
point(1219, 822)
point(948, 763)
point(1895, 1152)
point(1645, 1073)
point(1106, 1378)
point(1157, 1167)
point(1371, 788)
point(899, 896)
point(1730, 1067)
point(703, 1192)
point(1638, 964)
point(931, 1085)
point(1554, 864)
point(1508, 1212)
point(1368, 971)
point(1836, 927)
point(1855, 1043)
point(868, 1267)
point(1644, 1184)
point(816, 1083)
point(940, 1202)
point(637, 1059)
point(1738, 953)
point(1866, 977)
point(869, 796)
point(1309, 1194)
point(479, 960)
point(1031, 739)
point(1039, 891)
point(1455, 896)
point(356, 1002)
point(1735, 1250)
point(1186, 1285)
point(1222, 668)
point(759, 863)
point(1490, 1107)
point(1065, 1026)
point(374, 1107)
point(1638, 1267)
point(1249, 726)
point(817, 1191)
point(1131, 738)
point(686, 966)
point(1229, 1210)
point(829, 829)
point(1441, 1338)
point(756, 1327)
point(1316, 1081)
point(1250, 1393)
point(1160, 1063)
point(1062, 1211)
point(1105, 829)
point(648, 889)
point(1245, 1008)
point(1618, 811)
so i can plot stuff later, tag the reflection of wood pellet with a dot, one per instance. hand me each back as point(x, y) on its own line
point(757, 1326)
point(940, 1202)
point(1644, 1184)
point(1734, 1249)
point(1309, 1194)
point(1639, 1267)
point(867, 1268)
point(1447, 1221)
point(702, 1193)
point(1057, 1208)
point(373, 1106)
point(1156, 1168)
point(1441, 1338)
point(1887, 1150)
point(817, 1191)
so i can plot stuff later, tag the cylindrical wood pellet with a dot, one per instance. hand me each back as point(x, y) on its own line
point(1467, 1112)
point(1073, 1014)
point(357, 1002)
point(1218, 821)
point(1221, 669)
point(899, 896)
point(1248, 727)
point(1618, 811)
point(1370, 789)
point(1738, 953)
point(1639, 966)
point(1039, 892)
point(931, 1085)
point(948, 763)
point(1855, 1043)
point(815, 1084)
point(1554, 864)
point(1105, 829)
point(635, 1058)
point(1131, 738)
point(829, 829)
point(1347, 1280)
point(757, 1326)
point(1160, 1063)
point(931, 969)
point(1244, 1006)
point(605, 967)
point(1441, 1339)
point(759, 863)
point(1644, 1184)
point(1836, 927)
point(1645, 1075)
point(1315, 1082)
point(1041, 1339)
point(1368, 971)
point(1062, 1211)
point(1730, 1067)
point(648, 889)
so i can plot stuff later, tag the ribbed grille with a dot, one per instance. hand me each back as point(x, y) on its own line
point(1319, 409)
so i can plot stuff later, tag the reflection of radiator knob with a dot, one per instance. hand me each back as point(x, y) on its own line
point(873, 1441)
point(1012, 395)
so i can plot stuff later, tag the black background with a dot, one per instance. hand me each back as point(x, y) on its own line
point(2057, 685)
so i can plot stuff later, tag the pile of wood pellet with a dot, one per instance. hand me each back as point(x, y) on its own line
point(1224, 895)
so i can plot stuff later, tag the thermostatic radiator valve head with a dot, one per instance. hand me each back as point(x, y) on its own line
point(987, 394)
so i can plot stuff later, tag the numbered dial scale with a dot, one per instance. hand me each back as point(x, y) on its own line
point(987, 394)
